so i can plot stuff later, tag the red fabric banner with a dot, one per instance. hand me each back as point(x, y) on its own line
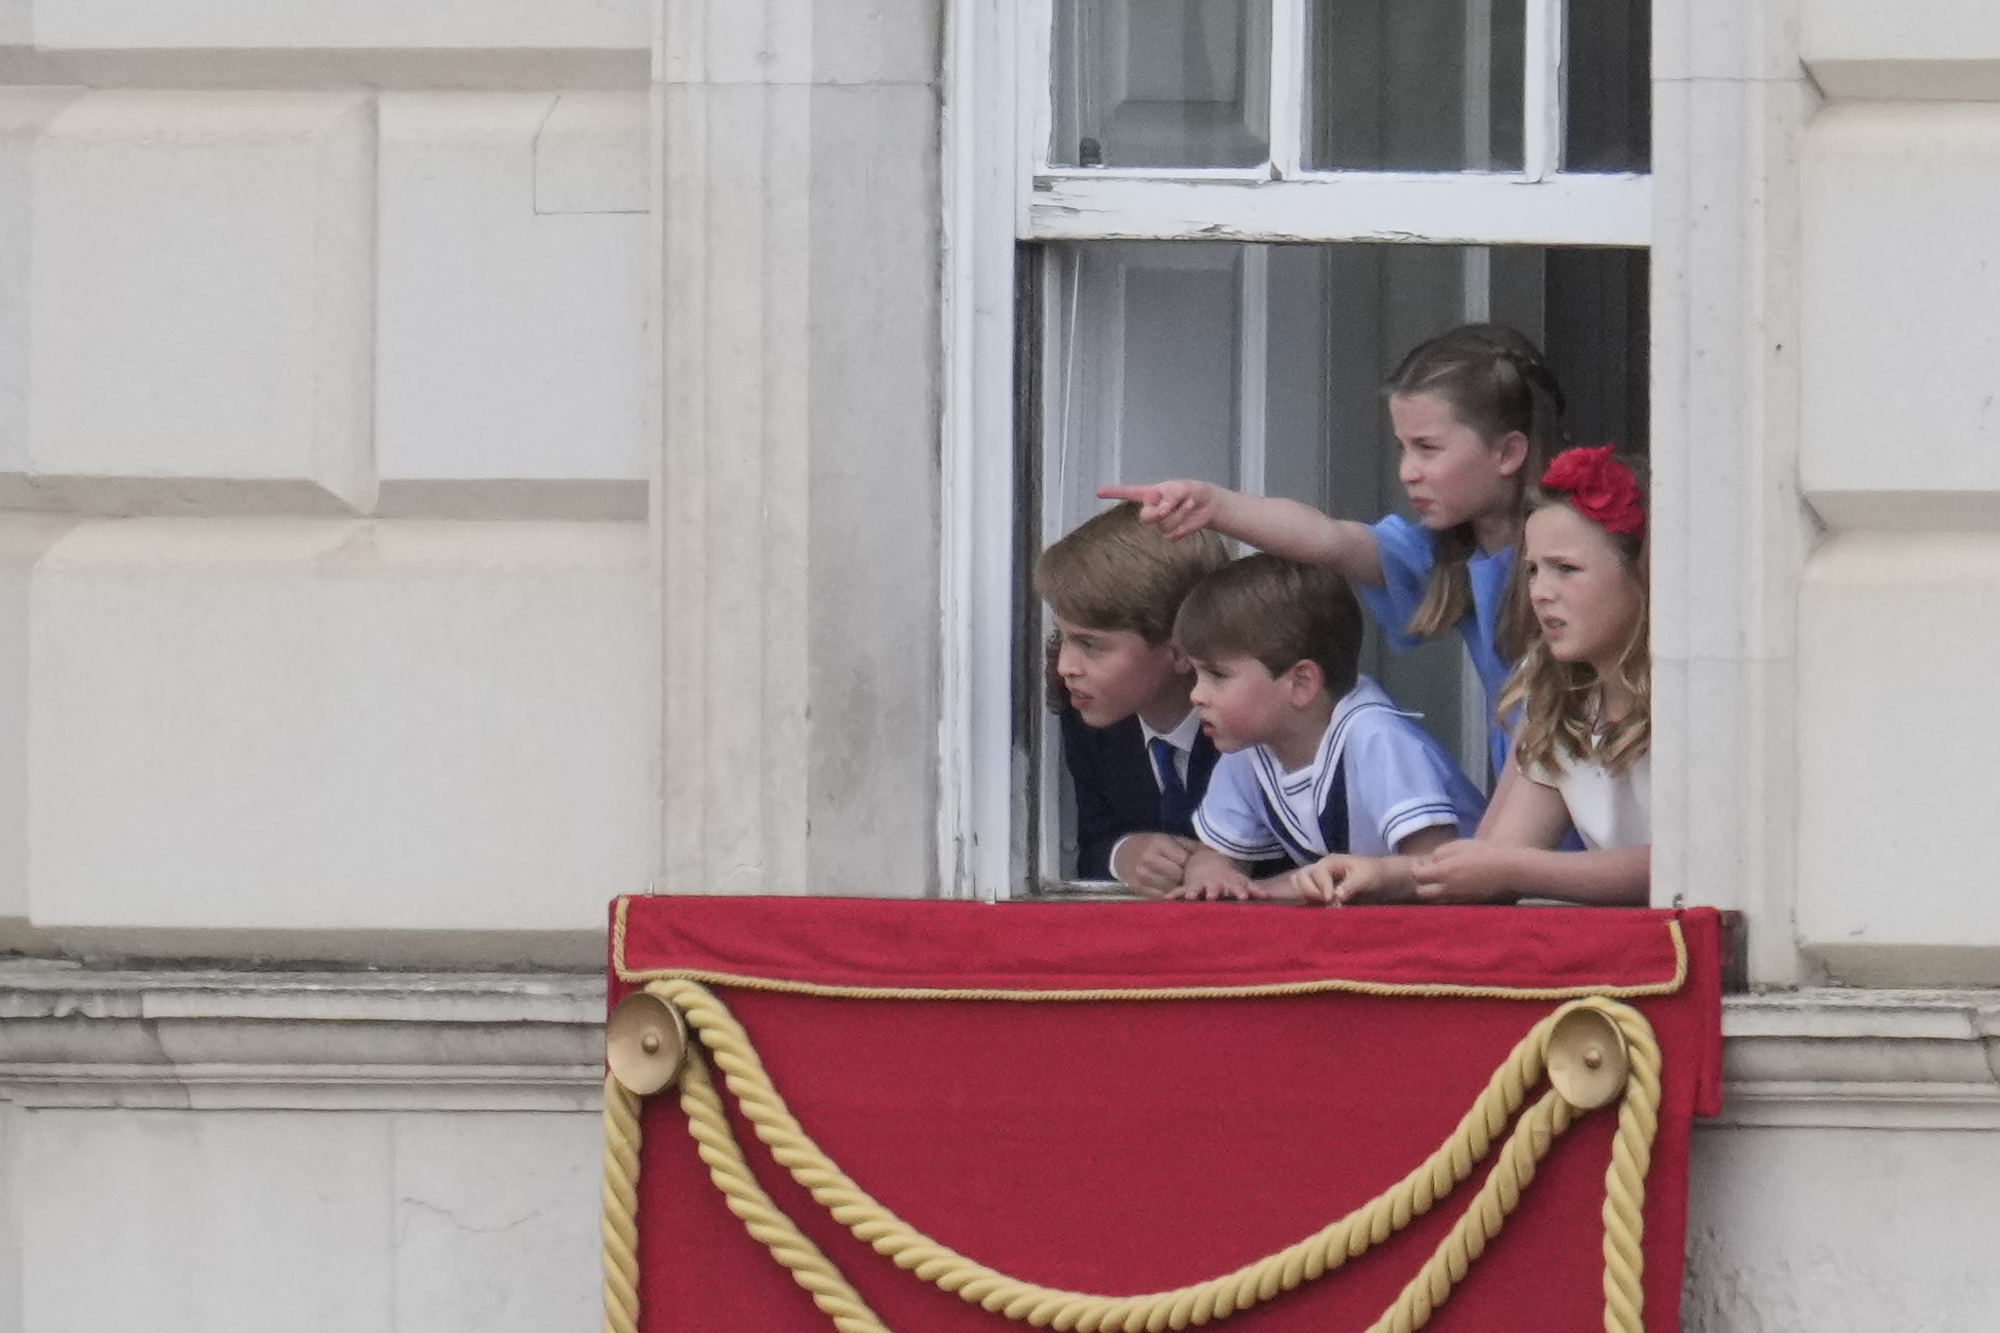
point(1059, 1128)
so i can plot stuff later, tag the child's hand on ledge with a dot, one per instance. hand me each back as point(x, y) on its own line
point(1154, 864)
point(1341, 879)
point(1209, 874)
point(1468, 871)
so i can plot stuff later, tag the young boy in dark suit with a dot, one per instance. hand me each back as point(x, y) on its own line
point(1136, 756)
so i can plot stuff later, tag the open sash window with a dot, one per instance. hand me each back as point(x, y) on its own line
point(1232, 218)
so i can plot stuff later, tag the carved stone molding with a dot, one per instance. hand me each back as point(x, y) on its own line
point(76, 1036)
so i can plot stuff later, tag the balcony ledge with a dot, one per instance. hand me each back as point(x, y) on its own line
point(219, 1039)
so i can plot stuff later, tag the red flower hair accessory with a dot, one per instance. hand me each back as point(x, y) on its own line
point(1600, 487)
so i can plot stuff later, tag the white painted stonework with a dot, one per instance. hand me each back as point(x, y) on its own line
point(236, 25)
point(462, 461)
point(513, 235)
point(798, 501)
point(1899, 375)
point(1845, 1186)
point(23, 540)
point(1918, 360)
point(211, 1091)
point(1897, 745)
point(1729, 532)
point(406, 1153)
point(23, 114)
point(201, 302)
point(320, 725)
point(1926, 50)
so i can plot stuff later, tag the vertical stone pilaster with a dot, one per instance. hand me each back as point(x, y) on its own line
point(1730, 106)
point(733, 515)
point(797, 493)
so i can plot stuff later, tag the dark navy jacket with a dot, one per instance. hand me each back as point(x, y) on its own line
point(1116, 792)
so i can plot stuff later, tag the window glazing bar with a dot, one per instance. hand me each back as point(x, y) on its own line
point(1542, 91)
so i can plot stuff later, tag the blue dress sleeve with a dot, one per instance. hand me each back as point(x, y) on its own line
point(1407, 556)
point(1405, 550)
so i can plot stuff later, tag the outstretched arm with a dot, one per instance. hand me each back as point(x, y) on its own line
point(1476, 871)
point(1513, 857)
point(1285, 528)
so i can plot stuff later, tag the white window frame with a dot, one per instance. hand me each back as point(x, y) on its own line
point(1000, 189)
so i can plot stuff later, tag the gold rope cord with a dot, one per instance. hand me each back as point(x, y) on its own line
point(1201, 1302)
point(621, 1208)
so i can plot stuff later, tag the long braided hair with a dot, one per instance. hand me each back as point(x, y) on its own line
point(1496, 382)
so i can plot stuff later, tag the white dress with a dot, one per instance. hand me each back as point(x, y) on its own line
point(1609, 811)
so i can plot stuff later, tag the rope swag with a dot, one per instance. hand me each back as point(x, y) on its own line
point(1499, 1105)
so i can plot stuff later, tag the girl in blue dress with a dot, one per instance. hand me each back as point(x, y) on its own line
point(1477, 413)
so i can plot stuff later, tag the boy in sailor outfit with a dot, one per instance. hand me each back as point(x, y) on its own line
point(1316, 759)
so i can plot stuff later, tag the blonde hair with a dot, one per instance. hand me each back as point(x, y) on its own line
point(1559, 700)
point(1112, 572)
point(1496, 382)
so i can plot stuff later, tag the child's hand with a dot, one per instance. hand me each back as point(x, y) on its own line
point(1468, 871)
point(1211, 875)
point(1216, 886)
point(1341, 879)
point(1152, 863)
point(1176, 508)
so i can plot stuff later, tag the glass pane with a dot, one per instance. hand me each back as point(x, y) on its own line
point(1415, 85)
point(1609, 116)
point(1595, 304)
point(1161, 83)
point(1260, 366)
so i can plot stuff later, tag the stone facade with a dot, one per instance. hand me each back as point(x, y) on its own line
point(460, 462)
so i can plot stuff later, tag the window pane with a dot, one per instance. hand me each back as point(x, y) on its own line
point(1415, 85)
point(1610, 103)
point(1161, 83)
point(1596, 337)
point(1260, 366)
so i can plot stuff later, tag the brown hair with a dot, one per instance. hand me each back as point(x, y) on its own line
point(1113, 572)
point(1278, 612)
point(1558, 700)
point(1495, 380)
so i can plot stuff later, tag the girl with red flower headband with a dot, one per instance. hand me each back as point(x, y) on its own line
point(1584, 689)
point(1584, 693)
point(1474, 410)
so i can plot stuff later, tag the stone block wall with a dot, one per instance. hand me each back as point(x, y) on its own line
point(1899, 459)
point(459, 462)
point(324, 449)
point(462, 461)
